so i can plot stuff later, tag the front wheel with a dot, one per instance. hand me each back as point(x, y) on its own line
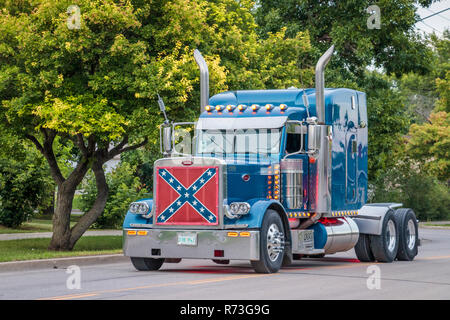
point(146, 264)
point(271, 244)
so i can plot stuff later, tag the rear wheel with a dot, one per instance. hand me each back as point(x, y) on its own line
point(272, 248)
point(362, 249)
point(408, 234)
point(385, 246)
point(146, 264)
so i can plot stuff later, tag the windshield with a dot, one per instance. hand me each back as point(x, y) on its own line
point(226, 143)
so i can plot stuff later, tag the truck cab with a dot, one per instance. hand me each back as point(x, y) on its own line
point(270, 176)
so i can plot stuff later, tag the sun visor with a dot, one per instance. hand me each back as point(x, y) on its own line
point(241, 123)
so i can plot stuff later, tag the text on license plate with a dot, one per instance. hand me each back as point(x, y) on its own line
point(187, 239)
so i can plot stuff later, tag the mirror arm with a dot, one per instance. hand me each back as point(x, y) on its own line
point(301, 151)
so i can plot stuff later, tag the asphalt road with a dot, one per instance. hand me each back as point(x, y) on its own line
point(338, 276)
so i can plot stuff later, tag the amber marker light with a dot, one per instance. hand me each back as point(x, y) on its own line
point(255, 107)
point(241, 107)
point(131, 232)
point(208, 108)
point(232, 234)
point(219, 107)
point(230, 107)
point(283, 107)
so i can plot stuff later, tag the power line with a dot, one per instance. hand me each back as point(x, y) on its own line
point(437, 13)
point(431, 27)
point(433, 14)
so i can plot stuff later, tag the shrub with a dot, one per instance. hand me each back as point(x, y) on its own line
point(25, 188)
point(124, 188)
point(407, 184)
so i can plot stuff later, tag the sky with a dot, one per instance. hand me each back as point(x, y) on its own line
point(437, 23)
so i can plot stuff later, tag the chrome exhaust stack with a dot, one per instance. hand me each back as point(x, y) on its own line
point(320, 84)
point(320, 145)
point(204, 79)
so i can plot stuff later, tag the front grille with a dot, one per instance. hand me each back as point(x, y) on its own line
point(187, 196)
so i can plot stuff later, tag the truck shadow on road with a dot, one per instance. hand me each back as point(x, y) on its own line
point(243, 268)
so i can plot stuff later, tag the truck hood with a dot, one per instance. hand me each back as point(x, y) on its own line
point(239, 188)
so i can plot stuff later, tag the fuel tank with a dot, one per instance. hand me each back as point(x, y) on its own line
point(342, 234)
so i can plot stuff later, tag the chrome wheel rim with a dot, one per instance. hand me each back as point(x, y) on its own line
point(391, 235)
point(411, 235)
point(274, 242)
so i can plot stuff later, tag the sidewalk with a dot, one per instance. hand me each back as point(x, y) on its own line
point(35, 235)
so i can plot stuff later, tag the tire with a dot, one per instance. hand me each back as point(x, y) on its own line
point(385, 246)
point(146, 264)
point(271, 251)
point(362, 249)
point(408, 234)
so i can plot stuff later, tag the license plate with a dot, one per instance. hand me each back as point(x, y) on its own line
point(187, 239)
point(306, 239)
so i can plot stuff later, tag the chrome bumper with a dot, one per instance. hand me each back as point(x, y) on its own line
point(157, 243)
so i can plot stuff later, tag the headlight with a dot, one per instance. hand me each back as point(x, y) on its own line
point(139, 208)
point(236, 209)
point(244, 208)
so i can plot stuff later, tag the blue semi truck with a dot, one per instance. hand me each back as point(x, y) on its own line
point(273, 176)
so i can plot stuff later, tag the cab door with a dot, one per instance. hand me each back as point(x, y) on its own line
point(351, 151)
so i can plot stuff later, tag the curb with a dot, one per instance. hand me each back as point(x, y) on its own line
point(61, 263)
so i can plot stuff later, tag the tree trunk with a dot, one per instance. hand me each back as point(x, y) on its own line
point(99, 205)
point(61, 218)
point(64, 238)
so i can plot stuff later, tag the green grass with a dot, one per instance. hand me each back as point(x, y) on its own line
point(30, 249)
point(436, 225)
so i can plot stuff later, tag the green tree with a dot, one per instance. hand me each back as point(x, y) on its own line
point(429, 145)
point(424, 92)
point(90, 89)
point(50, 87)
point(388, 121)
point(395, 46)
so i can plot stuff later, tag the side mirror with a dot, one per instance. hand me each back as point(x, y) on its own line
point(167, 138)
point(313, 137)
